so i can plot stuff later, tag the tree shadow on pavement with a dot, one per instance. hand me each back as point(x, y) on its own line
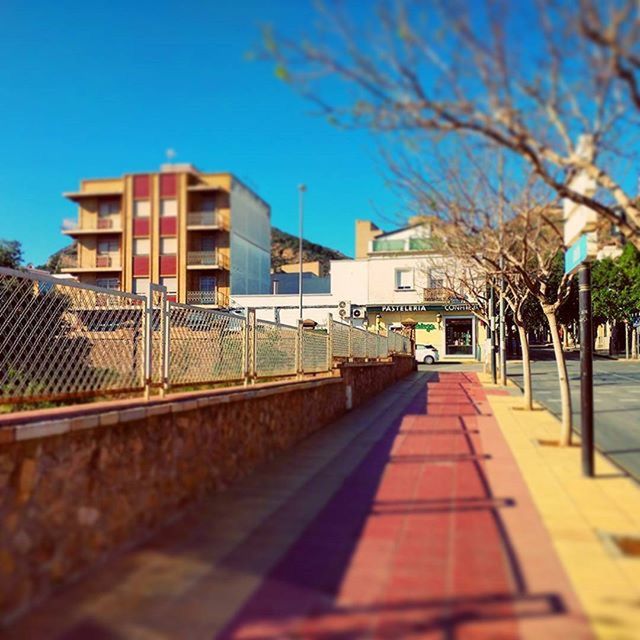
point(337, 578)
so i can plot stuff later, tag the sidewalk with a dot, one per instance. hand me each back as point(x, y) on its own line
point(407, 518)
point(583, 517)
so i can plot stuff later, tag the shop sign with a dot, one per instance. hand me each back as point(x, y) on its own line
point(394, 308)
point(426, 326)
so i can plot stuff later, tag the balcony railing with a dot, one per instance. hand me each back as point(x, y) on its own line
point(435, 294)
point(207, 259)
point(99, 224)
point(207, 219)
point(217, 298)
point(406, 244)
point(104, 261)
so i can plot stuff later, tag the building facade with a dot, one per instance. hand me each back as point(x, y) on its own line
point(399, 276)
point(205, 236)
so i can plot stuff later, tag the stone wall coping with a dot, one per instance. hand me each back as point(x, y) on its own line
point(42, 423)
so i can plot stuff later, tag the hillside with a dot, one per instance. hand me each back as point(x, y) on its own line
point(284, 250)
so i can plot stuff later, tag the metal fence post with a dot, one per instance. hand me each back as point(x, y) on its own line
point(166, 342)
point(350, 343)
point(251, 350)
point(329, 342)
point(299, 348)
point(148, 328)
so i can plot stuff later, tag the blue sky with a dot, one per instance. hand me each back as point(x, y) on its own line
point(95, 89)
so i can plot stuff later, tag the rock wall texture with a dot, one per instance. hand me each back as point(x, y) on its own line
point(80, 487)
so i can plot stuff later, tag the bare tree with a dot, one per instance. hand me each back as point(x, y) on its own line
point(518, 247)
point(528, 77)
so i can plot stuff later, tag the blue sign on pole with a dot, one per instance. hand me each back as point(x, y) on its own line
point(576, 254)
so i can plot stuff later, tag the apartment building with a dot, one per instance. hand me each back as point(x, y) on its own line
point(205, 236)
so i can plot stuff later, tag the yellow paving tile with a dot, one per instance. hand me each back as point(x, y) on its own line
point(579, 514)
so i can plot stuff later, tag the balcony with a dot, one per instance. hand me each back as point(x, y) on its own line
point(215, 298)
point(99, 225)
point(436, 294)
point(103, 262)
point(207, 259)
point(207, 220)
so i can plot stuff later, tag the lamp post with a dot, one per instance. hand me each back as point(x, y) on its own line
point(301, 189)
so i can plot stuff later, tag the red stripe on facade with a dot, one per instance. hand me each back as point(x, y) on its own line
point(140, 265)
point(168, 185)
point(141, 227)
point(168, 265)
point(168, 226)
point(141, 186)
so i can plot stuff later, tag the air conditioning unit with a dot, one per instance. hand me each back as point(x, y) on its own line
point(344, 309)
point(358, 313)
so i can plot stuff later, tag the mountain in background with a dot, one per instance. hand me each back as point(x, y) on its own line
point(284, 250)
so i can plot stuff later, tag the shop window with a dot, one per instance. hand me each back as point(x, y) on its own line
point(404, 279)
point(459, 336)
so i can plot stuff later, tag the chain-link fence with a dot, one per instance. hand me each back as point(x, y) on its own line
point(275, 349)
point(60, 340)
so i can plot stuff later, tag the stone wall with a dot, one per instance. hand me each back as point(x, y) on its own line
point(78, 483)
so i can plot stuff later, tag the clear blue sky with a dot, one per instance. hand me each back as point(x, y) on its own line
point(95, 89)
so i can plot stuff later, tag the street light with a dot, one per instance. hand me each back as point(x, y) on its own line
point(301, 189)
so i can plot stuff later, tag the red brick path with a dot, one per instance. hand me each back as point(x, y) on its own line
point(414, 544)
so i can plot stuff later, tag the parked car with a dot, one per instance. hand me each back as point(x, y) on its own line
point(427, 353)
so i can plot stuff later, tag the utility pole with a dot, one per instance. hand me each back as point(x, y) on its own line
point(586, 369)
point(301, 189)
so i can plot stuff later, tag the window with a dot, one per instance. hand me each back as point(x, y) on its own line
point(141, 208)
point(171, 284)
point(208, 243)
point(208, 204)
point(168, 246)
point(404, 279)
point(108, 283)
point(108, 207)
point(106, 246)
point(168, 208)
point(207, 283)
point(141, 246)
point(141, 286)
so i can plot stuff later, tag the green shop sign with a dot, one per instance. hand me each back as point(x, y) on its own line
point(427, 326)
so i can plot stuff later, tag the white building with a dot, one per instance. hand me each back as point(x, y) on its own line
point(396, 276)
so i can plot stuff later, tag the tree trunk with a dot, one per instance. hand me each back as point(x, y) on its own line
point(626, 341)
point(634, 343)
point(526, 368)
point(563, 378)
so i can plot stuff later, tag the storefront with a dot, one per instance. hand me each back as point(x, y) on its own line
point(452, 328)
